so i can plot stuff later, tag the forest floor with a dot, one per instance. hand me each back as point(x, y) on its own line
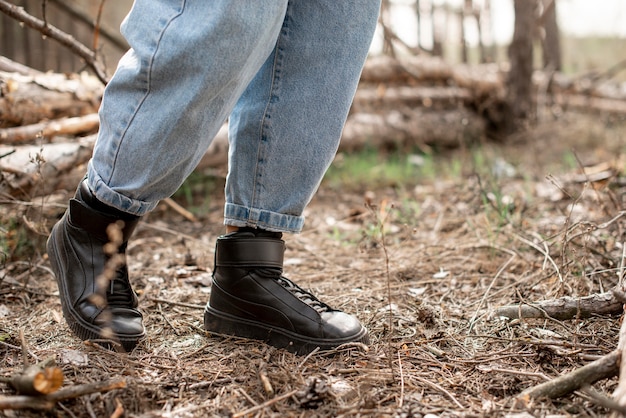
point(424, 265)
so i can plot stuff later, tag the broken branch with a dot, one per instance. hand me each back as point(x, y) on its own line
point(603, 368)
point(48, 402)
point(565, 308)
point(19, 14)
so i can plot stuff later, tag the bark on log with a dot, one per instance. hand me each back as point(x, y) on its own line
point(433, 71)
point(40, 170)
point(409, 70)
point(49, 401)
point(587, 103)
point(383, 97)
point(412, 127)
point(34, 170)
point(603, 368)
point(437, 105)
point(38, 380)
point(25, 100)
point(48, 130)
point(565, 308)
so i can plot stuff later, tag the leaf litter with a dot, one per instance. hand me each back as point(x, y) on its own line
point(425, 279)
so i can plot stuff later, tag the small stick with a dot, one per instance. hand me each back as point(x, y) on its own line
point(603, 368)
point(439, 388)
point(265, 404)
point(48, 402)
point(308, 356)
point(38, 379)
point(619, 394)
point(267, 384)
point(565, 308)
point(180, 210)
point(401, 402)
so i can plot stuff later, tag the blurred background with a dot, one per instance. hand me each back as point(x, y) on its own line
point(591, 35)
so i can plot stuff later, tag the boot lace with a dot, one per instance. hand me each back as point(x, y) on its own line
point(120, 293)
point(304, 295)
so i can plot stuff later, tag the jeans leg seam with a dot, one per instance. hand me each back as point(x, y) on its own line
point(266, 120)
point(149, 69)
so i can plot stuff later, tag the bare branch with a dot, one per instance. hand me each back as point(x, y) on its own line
point(565, 308)
point(603, 368)
point(58, 35)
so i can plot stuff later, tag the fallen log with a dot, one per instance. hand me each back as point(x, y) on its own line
point(565, 308)
point(408, 70)
point(29, 99)
point(382, 98)
point(485, 79)
point(35, 170)
point(587, 103)
point(38, 379)
point(412, 128)
point(48, 402)
point(50, 129)
point(40, 170)
point(603, 368)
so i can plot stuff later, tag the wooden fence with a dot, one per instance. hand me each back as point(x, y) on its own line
point(75, 17)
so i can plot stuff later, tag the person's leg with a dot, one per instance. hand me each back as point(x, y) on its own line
point(286, 127)
point(284, 133)
point(189, 63)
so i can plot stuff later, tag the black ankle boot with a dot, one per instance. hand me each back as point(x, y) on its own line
point(251, 299)
point(94, 311)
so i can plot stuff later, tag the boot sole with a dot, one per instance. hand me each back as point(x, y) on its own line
point(225, 324)
point(82, 329)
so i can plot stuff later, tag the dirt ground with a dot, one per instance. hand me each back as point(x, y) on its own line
point(424, 267)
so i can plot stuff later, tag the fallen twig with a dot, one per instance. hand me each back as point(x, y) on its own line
point(440, 389)
point(38, 379)
point(619, 394)
point(48, 402)
point(544, 252)
point(601, 399)
point(180, 210)
point(565, 308)
point(603, 368)
point(265, 404)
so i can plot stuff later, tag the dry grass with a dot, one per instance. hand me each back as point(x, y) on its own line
point(425, 284)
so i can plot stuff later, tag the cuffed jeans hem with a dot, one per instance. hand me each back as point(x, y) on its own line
point(240, 216)
point(112, 198)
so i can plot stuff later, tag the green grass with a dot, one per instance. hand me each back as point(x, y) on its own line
point(16, 242)
point(195, 193)
point(371, 169)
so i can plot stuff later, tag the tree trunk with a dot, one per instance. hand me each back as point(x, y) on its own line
point(521, 58)
point(436, 31)
point(551, 41)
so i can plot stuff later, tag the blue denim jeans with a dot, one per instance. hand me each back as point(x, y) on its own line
point(283, 72)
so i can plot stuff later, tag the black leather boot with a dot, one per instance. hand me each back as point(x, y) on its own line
point(250, 299)
point(95, 308)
